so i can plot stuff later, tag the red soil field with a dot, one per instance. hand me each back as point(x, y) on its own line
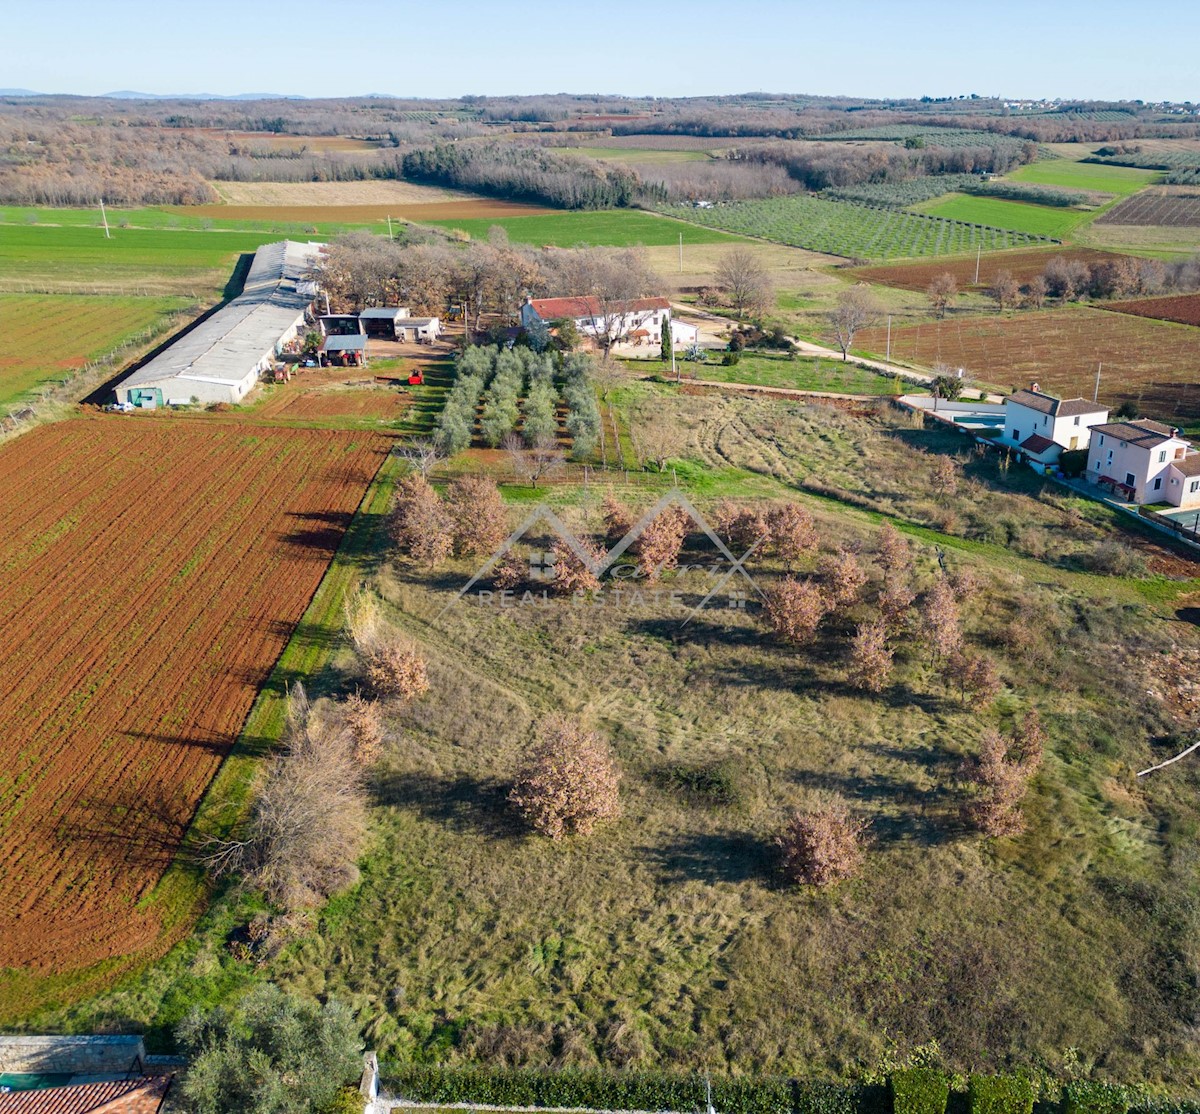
point(1151, 363)
point(1024, 265)
point(1184, 308)
point(1175, 208)
point(368, 403)
point(153, 570)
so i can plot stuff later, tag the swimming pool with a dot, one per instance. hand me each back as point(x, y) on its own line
point(31, 1081)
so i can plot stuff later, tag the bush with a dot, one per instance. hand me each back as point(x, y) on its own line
point(822, 845)
point(919, 1091)
point(999, 1094)
point(1073, 462)
point(1090, 1097)
point(1113, 558)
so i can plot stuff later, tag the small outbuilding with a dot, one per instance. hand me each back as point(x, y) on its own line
point(344, 351)
point(383, 321)
point(422, 330)
point(340, 324)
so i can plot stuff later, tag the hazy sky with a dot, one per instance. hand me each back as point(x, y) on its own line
point(1012, 48)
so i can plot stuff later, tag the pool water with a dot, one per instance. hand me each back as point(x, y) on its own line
point(28, 1081)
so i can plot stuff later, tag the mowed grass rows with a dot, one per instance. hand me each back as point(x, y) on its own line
point(855, 231)
point(45, 336)
point(154, 568)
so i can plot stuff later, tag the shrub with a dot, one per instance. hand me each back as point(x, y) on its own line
point(1085, 1096)
point(394, 669)
point(365, 722)
point(1113, 558)
point(999, 1094)
point(1073, 462)
point(795, 608)
point(919, 1091)
point(569, 782)
point(870, 657)
point(822, 845)
point(475, 511)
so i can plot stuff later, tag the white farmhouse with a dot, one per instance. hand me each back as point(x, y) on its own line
point(1145, 462)
point(1041, 426)
point(221, 358)
point(639, 320)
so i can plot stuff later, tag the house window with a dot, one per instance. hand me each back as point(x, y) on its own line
point(1162, 457)
point(1158, 483)
point(1076, 421)
point(1110, 456)
point(1194, 486)
point(1017, 436)
point(1130, 479)
point(1102, 439)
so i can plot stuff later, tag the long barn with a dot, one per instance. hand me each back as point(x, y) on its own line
point(221, 359)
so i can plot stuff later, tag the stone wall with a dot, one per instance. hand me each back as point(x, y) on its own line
point(74, 1055)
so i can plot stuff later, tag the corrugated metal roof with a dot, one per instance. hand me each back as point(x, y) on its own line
point(351, 342)
point(225, 348)
point(384, 313)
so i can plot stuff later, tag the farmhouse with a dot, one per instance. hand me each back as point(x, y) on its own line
point(383, 321)
point(640, 320)
point(1041, 426)
point(1145, 462)
point(221, 359)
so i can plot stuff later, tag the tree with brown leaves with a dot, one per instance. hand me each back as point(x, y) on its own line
point(870, 657)
point(1001, 781)
point(844, 579)
point(1029, 740)
point(569, 782)
point(510, 571)
point(944, 480)
point(365, 722)
point(943, 289)
point(823, 844)
point(479, 522)
point(795, 608)
point(618, 518)
point(740, 524)
point(571, 575)
point(419, 522)
point(939, 620)
point(791, 532)
point(891, 549)
point(895, 601)
point(661, 541)
point(975, 674)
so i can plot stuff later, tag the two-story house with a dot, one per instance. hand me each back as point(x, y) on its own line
point(637, 321)
point(1145, 462)
point(1041, 426)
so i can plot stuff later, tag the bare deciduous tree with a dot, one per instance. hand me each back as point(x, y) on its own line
point(745, 280)
point(421, 455)
point(569, 782)
point(537, 462)
point(856, 309)
point(943, 289)
point(1005, 289)
point(870, 657)
point(657, 438)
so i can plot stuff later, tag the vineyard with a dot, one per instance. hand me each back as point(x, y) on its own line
point(47, 337)
point(899, 195)
point(1156, 207)
point(855, 231)
point(130, 668)
point(1150, 363)
point(933, 137)
point(1182, 308)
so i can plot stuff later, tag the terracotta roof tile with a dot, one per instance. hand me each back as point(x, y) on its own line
point(122, 1096)
point(1035, 443)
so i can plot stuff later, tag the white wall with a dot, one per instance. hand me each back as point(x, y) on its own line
point(1109, 456)
point(1023, 421)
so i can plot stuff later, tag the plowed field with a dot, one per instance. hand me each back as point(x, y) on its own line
point(1184, 308)
point(152, 571)
point(361, 403)
point(1023, 265)
point(1151, 363)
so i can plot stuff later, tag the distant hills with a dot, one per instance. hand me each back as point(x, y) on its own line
point(132, 95)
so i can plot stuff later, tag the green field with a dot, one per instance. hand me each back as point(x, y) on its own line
point(174, 219)
point(800, 374)
point(45, 337)
point(1035, 220)
point(134, 260)
point(609, 228)
point(1121, 180)
point(855, 231)
point(636, 155)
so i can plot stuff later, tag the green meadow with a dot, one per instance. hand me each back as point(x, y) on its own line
point(607, 228)
point(1121, 180)
point(1037, 220)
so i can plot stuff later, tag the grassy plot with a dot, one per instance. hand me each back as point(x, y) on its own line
point(1122, 180)
point(609, 228)
point(46, 336)
point(669, 938)
point(1034, 220)
point(134, 260)
point(800, 374)
point(856, 231)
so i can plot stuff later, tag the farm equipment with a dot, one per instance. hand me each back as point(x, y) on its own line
point(416, 379)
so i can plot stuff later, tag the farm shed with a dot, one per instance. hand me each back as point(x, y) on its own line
point(383, 321)
point(419, 329)
point(221, 359)
point(350, 350)
point(340, 324)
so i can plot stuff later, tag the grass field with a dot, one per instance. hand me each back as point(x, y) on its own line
point(669, 939)
point(1035, 220)
point(637, 155)
point(1154, 364)
point(1120, 180)
point(133, 261)
point(44, 336)
point(610, 228)
point(800, 374)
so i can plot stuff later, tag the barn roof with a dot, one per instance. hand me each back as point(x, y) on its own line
point(351, 342)
point(225, 347)
point(384, 313)
point(122, 1096)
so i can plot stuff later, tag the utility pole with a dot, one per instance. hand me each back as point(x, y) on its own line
point(1096, 392)
point(390, 226)
point(889, 339)
point(978, 256)
point(104, 217)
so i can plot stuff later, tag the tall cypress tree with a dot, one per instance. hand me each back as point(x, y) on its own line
point(666, 340)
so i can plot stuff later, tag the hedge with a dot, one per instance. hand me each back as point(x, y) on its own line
point(1085, 1097)
point(999, 1094)
point(920, 1091)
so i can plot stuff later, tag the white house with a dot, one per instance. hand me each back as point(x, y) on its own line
point(422, 330)
point(221, 358)
point(1042, 426)
point(637, 321)
point(1145, 462)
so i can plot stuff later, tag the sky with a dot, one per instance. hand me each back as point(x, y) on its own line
point(866, 48)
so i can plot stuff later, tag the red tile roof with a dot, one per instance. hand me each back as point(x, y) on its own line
point(1037, 444)
point(550, 309)
point(123, 1096)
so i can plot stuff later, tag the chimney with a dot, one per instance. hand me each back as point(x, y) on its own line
point(1036, 388)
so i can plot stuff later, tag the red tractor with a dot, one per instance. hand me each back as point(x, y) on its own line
point(416, 379)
